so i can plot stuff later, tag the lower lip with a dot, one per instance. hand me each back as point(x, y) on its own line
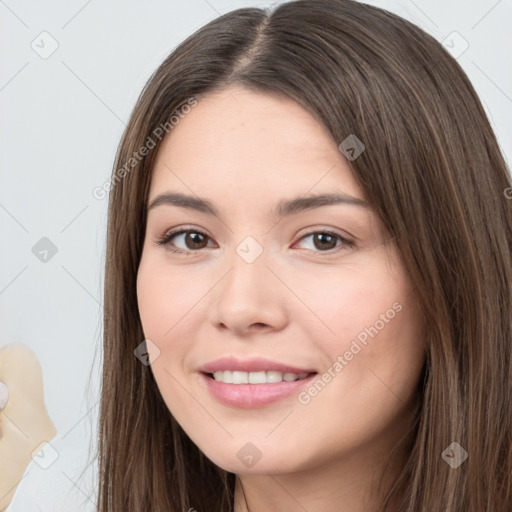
point(252, 396)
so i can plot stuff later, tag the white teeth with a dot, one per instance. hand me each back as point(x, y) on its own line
point(236, 377)
point(257, 378)
point(240, 378)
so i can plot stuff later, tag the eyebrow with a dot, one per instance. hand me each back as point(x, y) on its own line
point(284, 208)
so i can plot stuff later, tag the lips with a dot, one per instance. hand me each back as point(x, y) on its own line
point(253, 395)
point(251, 365)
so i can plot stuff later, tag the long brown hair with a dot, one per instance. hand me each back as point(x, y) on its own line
point(433, 172)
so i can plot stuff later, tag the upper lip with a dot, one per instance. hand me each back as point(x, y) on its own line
point(251, 365)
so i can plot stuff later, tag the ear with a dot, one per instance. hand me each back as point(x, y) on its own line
point(24, 421)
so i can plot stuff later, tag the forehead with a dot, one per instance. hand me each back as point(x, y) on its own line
point(253, 143)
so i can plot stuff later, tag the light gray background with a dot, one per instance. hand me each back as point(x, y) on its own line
point(62, 118)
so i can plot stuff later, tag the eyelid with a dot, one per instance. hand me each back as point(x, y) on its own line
point(315, 228)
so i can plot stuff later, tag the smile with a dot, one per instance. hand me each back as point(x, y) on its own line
point(248, 395)
point(261, 377)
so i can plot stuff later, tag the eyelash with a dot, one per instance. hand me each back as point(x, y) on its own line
point(166, 239)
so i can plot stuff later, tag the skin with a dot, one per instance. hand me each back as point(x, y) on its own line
point(246, 151)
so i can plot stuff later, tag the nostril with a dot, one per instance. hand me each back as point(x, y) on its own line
point(4, 395)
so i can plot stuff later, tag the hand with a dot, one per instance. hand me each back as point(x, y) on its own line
point(24, 421)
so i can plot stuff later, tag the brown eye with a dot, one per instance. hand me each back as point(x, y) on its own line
point(193, 240)
point(324, 241)
point(327, 241)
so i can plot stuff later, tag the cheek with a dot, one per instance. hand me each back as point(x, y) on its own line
point(353, 302)
point(164, 299)
point(369, 318)
point(161, 304)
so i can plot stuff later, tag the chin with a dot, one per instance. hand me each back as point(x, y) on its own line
point(247, 459)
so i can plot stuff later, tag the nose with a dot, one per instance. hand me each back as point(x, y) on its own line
point(249, 298)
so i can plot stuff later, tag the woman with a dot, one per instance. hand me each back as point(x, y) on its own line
point(250, 367)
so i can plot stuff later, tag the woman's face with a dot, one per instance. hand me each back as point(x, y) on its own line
point(312, 287)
